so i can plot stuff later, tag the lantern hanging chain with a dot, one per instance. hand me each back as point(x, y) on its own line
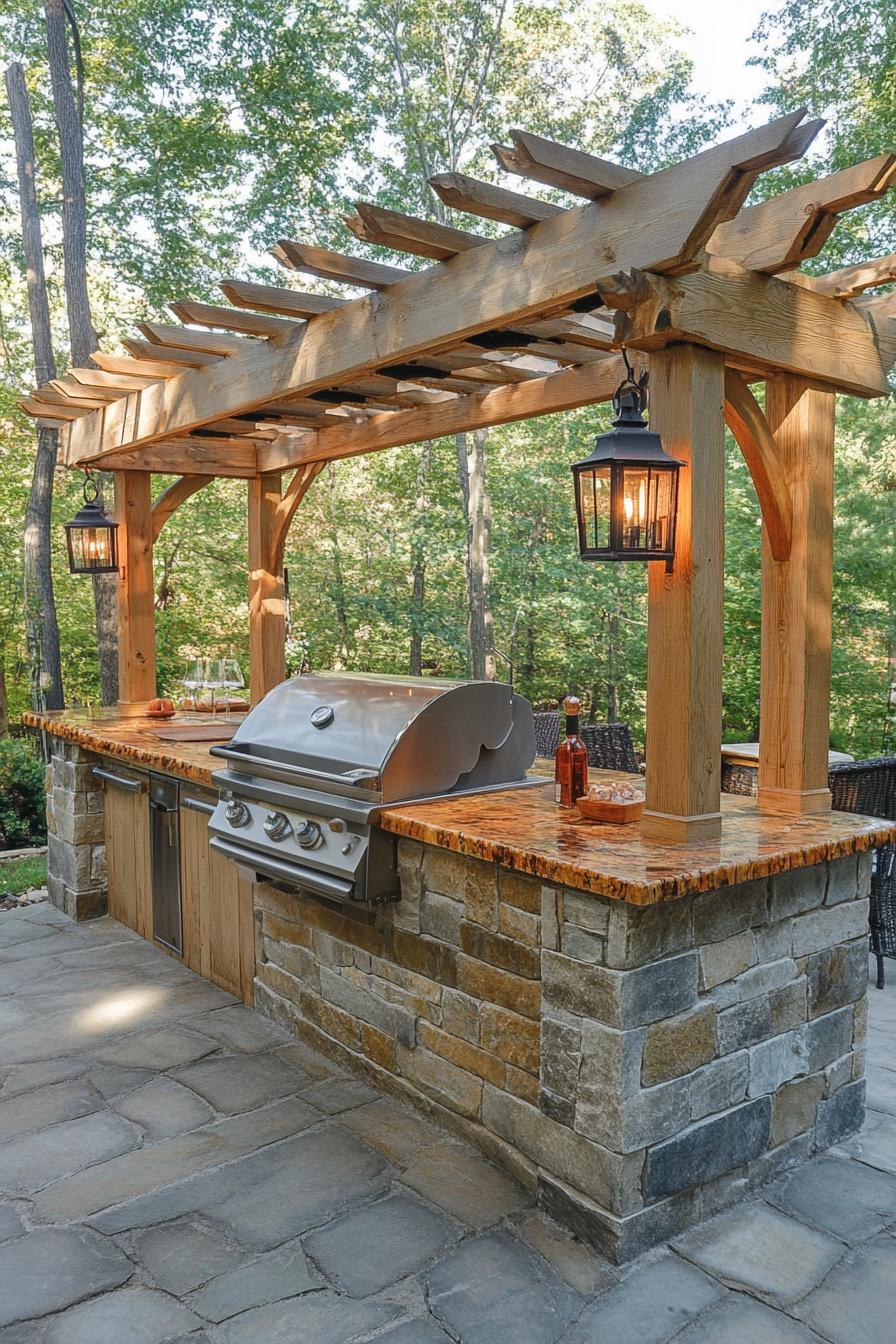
point(90, 484)
point(631, 384)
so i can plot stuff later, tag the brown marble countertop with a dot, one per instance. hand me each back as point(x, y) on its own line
point(524, 830)
point(130, 739)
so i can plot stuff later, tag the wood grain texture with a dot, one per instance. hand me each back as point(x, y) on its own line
point(126, 820)
point(490, 202)
point(561, 166)
point(136, 593)
point(420, 237)
point(271, 299)
point(761, 322)
point(685, 607)
point(849, 281)
point(219, 935)
point(320, 261)
point(231, 319)
point(790, 228)
point(796, 607)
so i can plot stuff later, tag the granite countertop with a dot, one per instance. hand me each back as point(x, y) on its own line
point(523, 829)
point(130, 739)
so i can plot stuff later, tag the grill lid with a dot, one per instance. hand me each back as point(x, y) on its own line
point(387, 737)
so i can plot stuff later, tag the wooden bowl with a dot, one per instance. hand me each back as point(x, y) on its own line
point(599, 809)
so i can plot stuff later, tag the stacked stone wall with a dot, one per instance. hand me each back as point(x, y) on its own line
point(640, 1066)
point(76, 849)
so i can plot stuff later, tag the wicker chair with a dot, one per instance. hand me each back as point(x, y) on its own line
point(609, 747)
point(869, 788)
point(547, 732)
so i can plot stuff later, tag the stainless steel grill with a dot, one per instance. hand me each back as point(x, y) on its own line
point(313, 764)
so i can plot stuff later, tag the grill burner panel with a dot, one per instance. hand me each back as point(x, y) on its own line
point(312, 764)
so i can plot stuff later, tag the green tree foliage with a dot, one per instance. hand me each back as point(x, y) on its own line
point(22, 818)
point(211, 130)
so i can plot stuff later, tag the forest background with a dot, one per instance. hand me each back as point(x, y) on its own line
point(210, 131)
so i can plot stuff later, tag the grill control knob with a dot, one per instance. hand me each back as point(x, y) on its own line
point(309, 835)
point(237, 813)
point(276, 825)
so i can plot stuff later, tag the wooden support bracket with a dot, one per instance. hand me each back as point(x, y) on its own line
point(745, 419)
point(171, 499)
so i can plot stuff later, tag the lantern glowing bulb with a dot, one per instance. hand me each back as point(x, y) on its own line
point(627, 490)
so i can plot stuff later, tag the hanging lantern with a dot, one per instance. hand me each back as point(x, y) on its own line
point(627, 490)
point(92, 536)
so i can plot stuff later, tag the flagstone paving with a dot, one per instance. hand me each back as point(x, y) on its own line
point(175, 1168)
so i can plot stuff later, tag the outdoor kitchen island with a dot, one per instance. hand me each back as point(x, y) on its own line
point(639, 1030)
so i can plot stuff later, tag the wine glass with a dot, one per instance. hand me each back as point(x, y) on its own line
point(229, 676)
point(195, 678)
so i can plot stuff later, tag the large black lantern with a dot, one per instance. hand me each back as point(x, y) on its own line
point(92, 536)
point(627, 490)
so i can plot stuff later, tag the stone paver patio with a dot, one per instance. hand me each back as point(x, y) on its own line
point(174, 1167)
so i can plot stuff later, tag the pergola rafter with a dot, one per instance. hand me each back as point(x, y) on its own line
point(671, 265)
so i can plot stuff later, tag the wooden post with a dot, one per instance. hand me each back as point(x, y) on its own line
point(796, 607)
point(267, 605)
point(685, 607)
point(136, 592)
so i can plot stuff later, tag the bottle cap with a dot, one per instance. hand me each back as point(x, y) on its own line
point(571, 705)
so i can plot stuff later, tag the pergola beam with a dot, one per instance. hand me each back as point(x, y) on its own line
point(560, 166)
point(762, 321)
point(491, 202)
point(320, 261)
point(231, 319)
point(148, 351)
point(271, 299)
point(509, 281)
point(790, 228)
point(404, 233)
point(850, 281)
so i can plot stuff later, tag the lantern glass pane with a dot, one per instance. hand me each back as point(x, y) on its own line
point(634, 525)
point(661, 507)
point(91, 549)
point(594, 507)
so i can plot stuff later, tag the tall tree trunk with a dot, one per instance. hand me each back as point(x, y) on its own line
point(613, 656)
point(418, 562)
point(77, 300)
point(4, 700)
point(472, 462)
point(41, 626)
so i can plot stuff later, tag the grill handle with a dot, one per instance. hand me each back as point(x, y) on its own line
point(197, 805)
point(120, 781)
point(294, 873)
point(262, 765)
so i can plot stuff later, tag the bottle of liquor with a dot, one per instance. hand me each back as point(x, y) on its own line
point(570, 759)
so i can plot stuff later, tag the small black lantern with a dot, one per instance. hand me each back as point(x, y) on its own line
point(92, 536)
point(627, 490)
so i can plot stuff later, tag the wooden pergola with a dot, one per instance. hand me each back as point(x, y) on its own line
point(497, 330)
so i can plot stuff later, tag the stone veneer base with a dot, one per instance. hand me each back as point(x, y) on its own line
point(76, 849)
point(640, 1067)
